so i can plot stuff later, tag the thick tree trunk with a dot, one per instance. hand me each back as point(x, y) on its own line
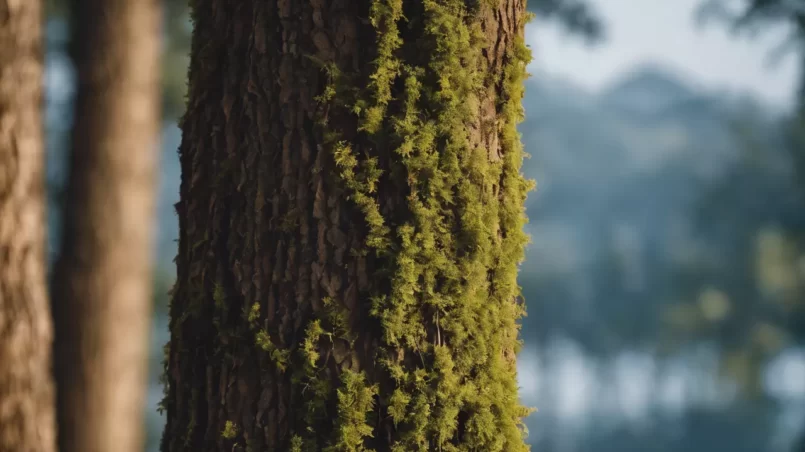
point(351, 223)
point(27, 421)
point(102, 282)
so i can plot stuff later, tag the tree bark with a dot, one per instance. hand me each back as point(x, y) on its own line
point(350, 221)
point(26, 390)
point(102, 282)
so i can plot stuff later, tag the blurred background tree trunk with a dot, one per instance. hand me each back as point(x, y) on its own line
point(102, 281)
point(26, 388)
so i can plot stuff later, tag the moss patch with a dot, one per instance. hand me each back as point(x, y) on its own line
point(448, 313)
point(230, 430)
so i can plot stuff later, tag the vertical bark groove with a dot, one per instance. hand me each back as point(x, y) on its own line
point(27, 421)
point(350, 227)
point(102, 290)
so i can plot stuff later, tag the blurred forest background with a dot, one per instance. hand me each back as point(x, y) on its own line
point(665, 280)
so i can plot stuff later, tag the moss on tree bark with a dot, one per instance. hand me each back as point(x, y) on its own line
point(351, 221)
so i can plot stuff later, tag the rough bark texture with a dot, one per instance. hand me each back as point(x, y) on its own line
point(27, 421)
point(350, 227)
point(102, 289)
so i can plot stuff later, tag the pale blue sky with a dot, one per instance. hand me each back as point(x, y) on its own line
point(663, 32)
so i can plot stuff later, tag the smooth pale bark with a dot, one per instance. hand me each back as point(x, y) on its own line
point(26, 390)
point(102, 282)
point(321, 304)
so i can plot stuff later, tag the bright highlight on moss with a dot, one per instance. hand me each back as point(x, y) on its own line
point(230, 430)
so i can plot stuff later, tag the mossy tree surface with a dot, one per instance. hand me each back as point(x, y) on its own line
point(351, 221)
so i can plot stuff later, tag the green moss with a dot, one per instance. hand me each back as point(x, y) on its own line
point(447, 310)
point(163, 378)
point(361, 179)
point(384, 16)
point(315, 390)
point(278, 355)
point(398, 405)
point(296, 444)
point(355, 404)
point(338, 316)
point(219, 295)
point(254, 315)
point(192, 422)
point(310, 345)
point(230, 430)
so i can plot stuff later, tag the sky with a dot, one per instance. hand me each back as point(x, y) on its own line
point(664, 33)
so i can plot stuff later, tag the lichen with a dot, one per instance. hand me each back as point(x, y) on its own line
point(355, 404)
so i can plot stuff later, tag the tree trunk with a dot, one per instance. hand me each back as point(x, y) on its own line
point(351, 221)
point(102, 282)
point(26, 390)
